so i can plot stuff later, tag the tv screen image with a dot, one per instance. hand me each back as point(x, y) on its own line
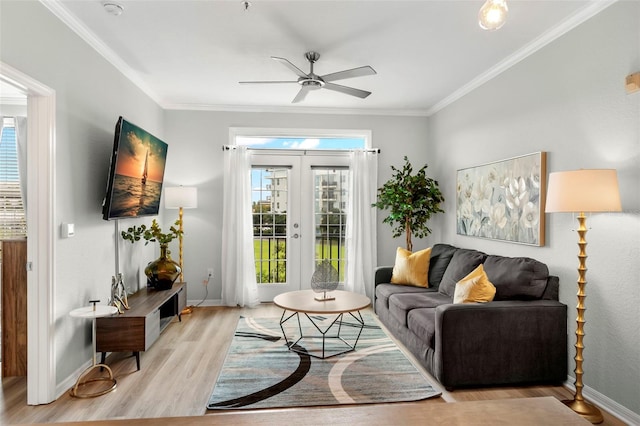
point(136, 173)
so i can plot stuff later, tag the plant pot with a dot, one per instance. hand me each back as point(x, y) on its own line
point(162, 272)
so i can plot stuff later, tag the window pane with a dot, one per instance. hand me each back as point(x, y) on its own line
point(269, 195)
point(330, 190)
point(12, 215)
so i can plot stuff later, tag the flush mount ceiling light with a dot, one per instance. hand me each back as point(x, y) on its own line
point(493, 14)
point(113, 8)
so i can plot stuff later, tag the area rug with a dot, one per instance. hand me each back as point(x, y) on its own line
point(261, 372)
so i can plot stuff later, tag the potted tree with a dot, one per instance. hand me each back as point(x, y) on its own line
point(411, 200)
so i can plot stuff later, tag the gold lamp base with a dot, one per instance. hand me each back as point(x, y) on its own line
point(586, 410)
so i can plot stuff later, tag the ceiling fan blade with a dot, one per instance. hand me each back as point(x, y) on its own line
point(355, 72)
point(266, 82)
point(289, 65)
point(301, 94)
point(347, 90)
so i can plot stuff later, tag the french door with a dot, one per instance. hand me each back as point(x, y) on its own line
point(299, 208)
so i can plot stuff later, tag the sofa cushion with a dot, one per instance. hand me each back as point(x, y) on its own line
point(441, 255)
point(516, 278)
point(383, 291)
point(411, 268)
point(422, 322)
point(401, 304)
point(474, 288)
point(462, 262)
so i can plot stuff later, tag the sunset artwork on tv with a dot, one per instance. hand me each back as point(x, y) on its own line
point(136, 175)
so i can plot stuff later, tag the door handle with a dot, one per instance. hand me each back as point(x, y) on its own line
point(296, 236)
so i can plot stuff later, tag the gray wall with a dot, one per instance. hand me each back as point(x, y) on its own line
point(90, 95)
point(567, 99)
point(195, 158)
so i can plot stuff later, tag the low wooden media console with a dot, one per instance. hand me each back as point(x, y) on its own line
point(137, 328)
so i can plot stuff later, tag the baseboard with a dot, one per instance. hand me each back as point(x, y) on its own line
point(206, 302)
point(70, 381)
point(605, 403)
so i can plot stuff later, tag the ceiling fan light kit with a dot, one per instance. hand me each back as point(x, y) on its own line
point(311, 81)
point(493, 14)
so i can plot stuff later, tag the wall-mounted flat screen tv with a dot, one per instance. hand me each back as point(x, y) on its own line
point(136, 173)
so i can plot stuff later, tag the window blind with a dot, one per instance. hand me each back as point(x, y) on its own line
point(12, 215)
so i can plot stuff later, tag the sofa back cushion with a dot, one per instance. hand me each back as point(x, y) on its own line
point(462, 263)
point(516, 278)
point(441, 255)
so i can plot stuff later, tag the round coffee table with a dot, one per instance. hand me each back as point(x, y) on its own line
point(299, 302)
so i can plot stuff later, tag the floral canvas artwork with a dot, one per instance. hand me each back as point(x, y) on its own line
point(503, 200)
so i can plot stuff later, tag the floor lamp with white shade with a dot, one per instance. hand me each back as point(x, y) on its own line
point(582, 191)
point(181, 197)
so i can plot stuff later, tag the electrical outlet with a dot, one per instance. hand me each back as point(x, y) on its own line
point(210, 272)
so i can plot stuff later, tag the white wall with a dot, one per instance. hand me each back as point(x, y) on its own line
point(567, 99)
point(195, 158)
point(90, 95)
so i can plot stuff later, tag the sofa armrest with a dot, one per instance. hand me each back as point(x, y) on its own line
point(382, 275)
point(501, 342)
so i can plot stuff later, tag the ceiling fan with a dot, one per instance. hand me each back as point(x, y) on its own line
point(312, 81)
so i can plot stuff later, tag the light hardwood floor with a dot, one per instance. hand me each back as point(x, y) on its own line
point(178, 373)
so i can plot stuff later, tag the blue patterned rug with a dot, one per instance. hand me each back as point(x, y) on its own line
point(261, 372)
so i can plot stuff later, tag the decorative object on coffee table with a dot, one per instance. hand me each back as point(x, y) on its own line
point(324, 279)
point(163, 272)
point(581, 191)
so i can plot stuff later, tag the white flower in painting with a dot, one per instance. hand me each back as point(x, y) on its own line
point(529, 216)
point(535, 176)
point(466, 210)
point(481, 196)
point(517, 193)
point(497, 215)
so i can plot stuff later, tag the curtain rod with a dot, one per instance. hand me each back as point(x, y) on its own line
point(303, 151)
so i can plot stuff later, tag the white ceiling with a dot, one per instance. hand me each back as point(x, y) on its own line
point(427, 53)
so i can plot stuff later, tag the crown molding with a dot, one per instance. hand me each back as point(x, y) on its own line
point(544, 39)
point(61, 12)
point(595, 7)
point(296, 110)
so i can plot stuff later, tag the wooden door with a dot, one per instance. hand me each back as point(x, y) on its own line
point(14, 308)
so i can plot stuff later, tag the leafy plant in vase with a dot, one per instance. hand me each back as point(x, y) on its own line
point(411, 201)
point(162, 272)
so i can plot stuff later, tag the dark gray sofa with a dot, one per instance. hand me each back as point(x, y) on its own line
point(518, 338)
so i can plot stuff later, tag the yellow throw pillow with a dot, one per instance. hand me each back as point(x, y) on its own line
point(412, 268)
point(474, 288)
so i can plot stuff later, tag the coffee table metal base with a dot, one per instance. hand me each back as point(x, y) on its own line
point(324, 334)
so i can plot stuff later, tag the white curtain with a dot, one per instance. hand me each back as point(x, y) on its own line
point(239, 285)
point(361, 222)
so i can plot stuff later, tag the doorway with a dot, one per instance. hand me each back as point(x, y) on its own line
point(299, 208)
point(41, 379)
